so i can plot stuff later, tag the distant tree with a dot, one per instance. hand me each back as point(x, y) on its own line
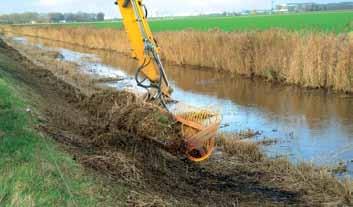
point(29, 17)
point(100, 16)
point(69, 17)
point(85, 17)
point(56, 17)
point(17, 18)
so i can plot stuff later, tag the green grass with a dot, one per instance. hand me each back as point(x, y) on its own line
point(339, 21)
point(34, 171)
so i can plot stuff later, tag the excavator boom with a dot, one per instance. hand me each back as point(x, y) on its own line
point(199, 126)
point(144, 48)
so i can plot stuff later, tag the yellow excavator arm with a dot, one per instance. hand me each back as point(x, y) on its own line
point(144, 49)
point(199, 126)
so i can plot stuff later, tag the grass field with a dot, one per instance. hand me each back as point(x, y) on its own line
point(340, 21)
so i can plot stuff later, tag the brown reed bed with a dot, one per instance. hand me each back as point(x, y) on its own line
point(314, 182)
point(315, 60)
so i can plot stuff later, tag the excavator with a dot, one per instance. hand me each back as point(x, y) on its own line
point(199, 126)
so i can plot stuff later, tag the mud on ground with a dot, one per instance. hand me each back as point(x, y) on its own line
point(111, 133)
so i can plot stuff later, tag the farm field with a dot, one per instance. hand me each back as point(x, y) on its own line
point(340, 21)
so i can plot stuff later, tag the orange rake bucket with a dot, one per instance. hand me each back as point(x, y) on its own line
point(199, 128)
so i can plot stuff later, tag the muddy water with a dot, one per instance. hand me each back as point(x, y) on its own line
point(310, 125)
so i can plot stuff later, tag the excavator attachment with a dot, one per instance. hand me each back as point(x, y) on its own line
point(199, 129)
point(199, 126)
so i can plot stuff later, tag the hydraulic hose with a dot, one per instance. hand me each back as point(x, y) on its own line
point(146, 11)
point(160, 95)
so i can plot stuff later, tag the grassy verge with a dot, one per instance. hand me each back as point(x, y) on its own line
point(33, 170)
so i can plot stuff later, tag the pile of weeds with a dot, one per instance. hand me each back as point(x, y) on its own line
point(111, 112)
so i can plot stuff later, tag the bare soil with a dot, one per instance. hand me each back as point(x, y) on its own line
point(111, 132)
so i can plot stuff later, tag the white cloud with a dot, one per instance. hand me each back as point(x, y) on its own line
point(156, 7)
point(204, 6)
point(65, 4)
point(73, 6)
point(48, 2)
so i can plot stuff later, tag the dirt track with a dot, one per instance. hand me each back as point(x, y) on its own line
point(115, 146)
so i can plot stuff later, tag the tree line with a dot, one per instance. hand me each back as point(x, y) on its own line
point(55, 17)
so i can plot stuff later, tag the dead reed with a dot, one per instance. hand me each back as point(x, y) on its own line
point(234, 145)
point(317, 60)
point(316, 184)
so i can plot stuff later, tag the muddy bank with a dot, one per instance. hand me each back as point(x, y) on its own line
point(314, 60)
point(237, 176)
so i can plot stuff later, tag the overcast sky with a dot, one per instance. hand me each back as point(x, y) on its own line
point(160, 7)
